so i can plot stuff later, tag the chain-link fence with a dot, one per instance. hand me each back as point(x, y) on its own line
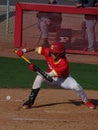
point(7, 15)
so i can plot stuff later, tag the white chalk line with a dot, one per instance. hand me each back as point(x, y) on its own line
point(16, 100)
point(64, 112)
point(39, 119)
point(29, 119)
point(44, 119)
point(52, 111)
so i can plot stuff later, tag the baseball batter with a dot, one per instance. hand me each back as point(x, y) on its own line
point(58, 69)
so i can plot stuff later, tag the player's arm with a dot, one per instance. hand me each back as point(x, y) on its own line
point(25, 50)
point(36, 49)
point(53, 73)
point(62, 70)
point(20, 52)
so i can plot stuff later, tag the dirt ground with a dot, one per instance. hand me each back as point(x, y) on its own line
point(53, 110)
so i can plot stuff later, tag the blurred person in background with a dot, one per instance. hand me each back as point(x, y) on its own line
point(48, 22)
point(89, 21)
point(96, 4)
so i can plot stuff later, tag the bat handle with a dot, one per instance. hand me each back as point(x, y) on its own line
point(44, 74)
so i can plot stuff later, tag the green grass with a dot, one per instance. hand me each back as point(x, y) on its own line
point(15, 73)
point(85, 74)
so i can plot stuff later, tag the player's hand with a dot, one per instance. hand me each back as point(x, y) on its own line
point(32, 67)
point(24, 50)
point(19, 53)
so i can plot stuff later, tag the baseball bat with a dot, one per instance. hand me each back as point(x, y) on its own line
point(37, 69)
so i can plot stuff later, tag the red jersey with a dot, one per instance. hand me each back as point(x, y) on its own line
point(60, 68)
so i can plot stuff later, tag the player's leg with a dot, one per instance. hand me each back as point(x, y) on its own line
point(91, 33)
point(44, 31)
point(34, 92)
point(71, 83)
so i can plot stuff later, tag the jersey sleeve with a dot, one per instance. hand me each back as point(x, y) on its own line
point(42, 51)
point(38, 50)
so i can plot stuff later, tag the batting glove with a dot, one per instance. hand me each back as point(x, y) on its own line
point(32, 67)
point(19, 53)
point(24, 50)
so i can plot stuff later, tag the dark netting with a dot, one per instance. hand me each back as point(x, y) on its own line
point(72, 28)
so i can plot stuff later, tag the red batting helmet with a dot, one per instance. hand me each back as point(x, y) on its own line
point(57, 47)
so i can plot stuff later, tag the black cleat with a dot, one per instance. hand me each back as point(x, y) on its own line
point(28, 104)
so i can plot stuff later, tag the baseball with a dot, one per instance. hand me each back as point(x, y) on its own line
point(8, 98)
